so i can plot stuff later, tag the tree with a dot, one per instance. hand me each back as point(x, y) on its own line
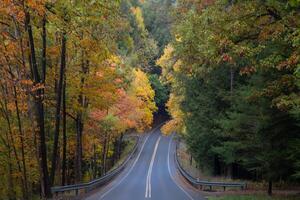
point(232, 70)
point(61, 64)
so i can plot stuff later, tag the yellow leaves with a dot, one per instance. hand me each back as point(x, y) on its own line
point(168, 63)
point(176, 123)
point(141, 88)
point(87, 43)
point(164, 60)
point(178, 38)
point(285, 103)
point(143, 93)
point(137, 12)
point(177, 67)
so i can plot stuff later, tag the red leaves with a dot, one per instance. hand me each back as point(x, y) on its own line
point(227, 58)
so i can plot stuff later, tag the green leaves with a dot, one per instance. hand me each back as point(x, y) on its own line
point(236, 70)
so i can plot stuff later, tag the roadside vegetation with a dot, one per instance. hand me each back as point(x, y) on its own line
point(233, 67)
point(75, 77)
point(129, 145)
point(254, 187)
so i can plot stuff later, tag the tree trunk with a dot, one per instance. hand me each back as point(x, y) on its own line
point(10, 189)
point(191, 160)
point(231, 80)
point(79, 122)
point(39, 108)
point(229, 170)
point(58, 107)
point(10, 138)
point(270, 187)
point(11, 193)
point(44, 50)
point(94, 168)
point(104, 154)
point(64, 143)
point(120, 145)
point(79, 126)
point(116, 145)
point(21, 136)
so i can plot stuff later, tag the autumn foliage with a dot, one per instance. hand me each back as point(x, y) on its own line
point(64, 84)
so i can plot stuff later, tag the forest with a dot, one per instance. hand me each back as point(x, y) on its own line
point(77, 76)
point(234, 71)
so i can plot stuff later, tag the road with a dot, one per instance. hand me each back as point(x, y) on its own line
point(151, 174)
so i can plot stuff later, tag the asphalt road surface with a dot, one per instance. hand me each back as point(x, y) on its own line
point(151, 174)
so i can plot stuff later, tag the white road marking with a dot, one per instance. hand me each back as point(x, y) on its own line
point(148, 181)
point(137, 158)
point(114, 186)
point(169, 169)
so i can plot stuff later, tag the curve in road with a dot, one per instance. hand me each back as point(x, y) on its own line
point(152, 175)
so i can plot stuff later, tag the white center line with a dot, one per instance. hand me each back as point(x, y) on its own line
point(148, 181)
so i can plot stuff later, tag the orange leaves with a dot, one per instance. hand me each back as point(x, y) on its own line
point(13, 9)
point(290, 63)
point(247, 70)
point(37, 86)
point(98, 114)
point(37, 6)
point(132, 109)
point(26, 82)
point(271, 31)
point(53, 51)
point(283, 85)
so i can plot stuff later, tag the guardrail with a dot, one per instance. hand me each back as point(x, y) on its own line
point(97, 182)
point(201, 183)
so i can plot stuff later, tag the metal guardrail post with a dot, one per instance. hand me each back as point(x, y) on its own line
point(88, 186)
point(202, 184)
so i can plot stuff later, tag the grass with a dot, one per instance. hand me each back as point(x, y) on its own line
point(255, 197)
